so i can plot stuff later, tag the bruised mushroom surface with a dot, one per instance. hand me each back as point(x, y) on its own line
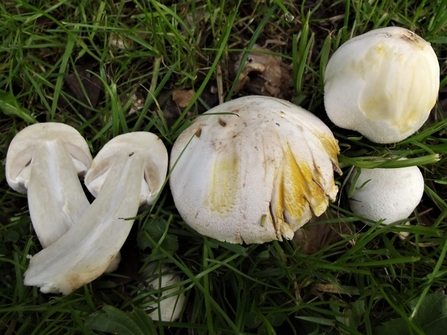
point(382, 84)
point(253, 170)
point(126, 174)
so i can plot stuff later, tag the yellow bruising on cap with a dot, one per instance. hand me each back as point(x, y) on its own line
point(330, 145)
point(223, 184)
point(297, 195)
point(398, 100)
point(300, 189)
point(277, 207)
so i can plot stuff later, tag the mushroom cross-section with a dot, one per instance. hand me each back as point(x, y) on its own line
point(253, 170)
point(44, 161)
point(127, 173)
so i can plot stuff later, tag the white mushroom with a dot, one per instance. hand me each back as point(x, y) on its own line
point(386, 194)
point(128, 173)
point(168, 304)
point(44, 161)
point(382, 84)
point(253, 170)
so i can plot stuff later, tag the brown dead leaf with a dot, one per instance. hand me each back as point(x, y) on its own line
point(263, 73)
point(314, 237)
point(338, 289)
point(84, 86)
point(173, 103)
point(182, 97)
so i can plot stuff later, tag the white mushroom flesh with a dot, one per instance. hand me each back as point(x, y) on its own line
point(44, 161)
point(382, 84)
point(87, 249)
point(254, 174)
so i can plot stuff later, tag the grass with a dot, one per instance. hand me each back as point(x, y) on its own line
point(359, 285)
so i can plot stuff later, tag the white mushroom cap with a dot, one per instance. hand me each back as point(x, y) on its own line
point(155, 164)
point(44, 161)
point(171, 301)
point(382, 84)
point(25, 145)
point(387, 194)
point(254, 174)
point(90, 246)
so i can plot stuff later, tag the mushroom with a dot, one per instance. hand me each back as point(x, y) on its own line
point(44, 160)
point(168, 304)
point(385, 194)
point(126, 174)
point(382, 84)
point(253, 170)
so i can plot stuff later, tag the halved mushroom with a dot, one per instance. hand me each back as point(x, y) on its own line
point(127, 173)
point(253, 170)
point(45, 161)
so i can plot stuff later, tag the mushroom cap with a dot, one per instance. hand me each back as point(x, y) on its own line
point(141, 143)
point(253, 170)
point(387, 194)
point(382, 84)
point(168, 309)
point(23, 147)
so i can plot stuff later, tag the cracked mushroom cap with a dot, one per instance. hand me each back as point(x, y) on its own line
point(253, 170)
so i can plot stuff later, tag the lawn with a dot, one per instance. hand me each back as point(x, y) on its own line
point(117, 66)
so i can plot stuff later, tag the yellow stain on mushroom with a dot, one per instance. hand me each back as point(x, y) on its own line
point(384, 96)
point(294, 186)
point(223, 184)
point(296, 195)
point(330, 145)
point(300, 188)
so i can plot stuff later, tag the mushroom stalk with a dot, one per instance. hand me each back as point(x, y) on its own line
point(87, 249)
point(45, 161)
point(54, 184)
point(126, 174)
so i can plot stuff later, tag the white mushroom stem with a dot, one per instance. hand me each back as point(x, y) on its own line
point(86, 250)
point(44, 160)
point(56, 199)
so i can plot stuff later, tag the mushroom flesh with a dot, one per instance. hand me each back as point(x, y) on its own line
point(127, 173)
point(45, 161)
